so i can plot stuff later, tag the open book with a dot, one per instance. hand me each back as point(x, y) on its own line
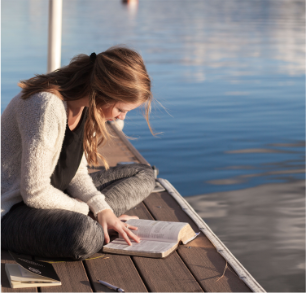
point(30, 273)
point(157, 238)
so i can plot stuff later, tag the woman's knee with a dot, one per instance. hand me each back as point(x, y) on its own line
point(88, 238)
point(147, 175)
point(51, 233)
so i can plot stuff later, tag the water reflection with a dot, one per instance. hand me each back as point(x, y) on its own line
point(265, 226)
point(286, 169)
point(232, 29)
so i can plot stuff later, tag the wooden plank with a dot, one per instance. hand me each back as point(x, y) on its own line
point(115, 149)
point(140, 274)
point(5, 284)
point(200, 256)
point(73, 277)
point(127, 144)
point(208, 267)
point(118, 270)
point(163, 275)
point(168, 274)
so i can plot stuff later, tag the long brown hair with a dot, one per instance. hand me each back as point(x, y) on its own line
point(116, 75)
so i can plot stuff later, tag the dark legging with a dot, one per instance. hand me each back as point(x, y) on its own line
point(59, 233)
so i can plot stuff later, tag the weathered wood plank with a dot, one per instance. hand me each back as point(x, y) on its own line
point(5, 284)
point(208, 266)
point(163, 275)
point(73, 277)
point(126, 144)
point(205, 263)
point(168, 274)
point(115, 150)
point(118, 270)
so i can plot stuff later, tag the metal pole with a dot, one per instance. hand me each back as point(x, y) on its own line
point(55, 34)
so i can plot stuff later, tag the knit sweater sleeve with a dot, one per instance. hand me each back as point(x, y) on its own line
point(82, 187)
point(40, 121)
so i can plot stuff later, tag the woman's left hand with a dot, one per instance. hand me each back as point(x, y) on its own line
point(108, 220)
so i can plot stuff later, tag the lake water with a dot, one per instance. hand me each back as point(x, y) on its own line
point(231, 78)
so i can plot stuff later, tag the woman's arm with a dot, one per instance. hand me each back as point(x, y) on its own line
point(83, 188)
point(42, 127)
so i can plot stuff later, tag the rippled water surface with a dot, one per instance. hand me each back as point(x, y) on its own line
point(231, 77)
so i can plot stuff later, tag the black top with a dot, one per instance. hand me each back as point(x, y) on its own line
point(70, 156)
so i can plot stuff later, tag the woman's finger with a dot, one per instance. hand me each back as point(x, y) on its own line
point(126, 217)
point(126, 238)
point(131, 227)
point(133, 236)
point(106, 236)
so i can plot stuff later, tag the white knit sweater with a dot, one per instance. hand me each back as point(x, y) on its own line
point(32, 134)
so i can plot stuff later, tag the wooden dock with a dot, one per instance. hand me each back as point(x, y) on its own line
point(203, 265)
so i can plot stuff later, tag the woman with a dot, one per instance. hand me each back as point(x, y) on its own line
point(50, 132)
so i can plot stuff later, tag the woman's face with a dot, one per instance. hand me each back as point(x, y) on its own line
point(118, 110)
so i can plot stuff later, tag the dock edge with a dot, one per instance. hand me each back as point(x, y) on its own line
point(241, 271)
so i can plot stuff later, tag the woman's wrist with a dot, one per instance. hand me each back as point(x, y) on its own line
point(106, 210)
point(97, 203)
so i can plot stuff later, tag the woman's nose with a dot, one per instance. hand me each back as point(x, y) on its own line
point(122, 116)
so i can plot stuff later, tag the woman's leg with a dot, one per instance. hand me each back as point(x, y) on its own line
point(50, 233)
point(125, 186)
point(64, 234)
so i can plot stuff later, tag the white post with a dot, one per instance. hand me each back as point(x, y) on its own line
point(55, 34)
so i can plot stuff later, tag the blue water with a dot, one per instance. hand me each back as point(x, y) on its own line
point(230, 76)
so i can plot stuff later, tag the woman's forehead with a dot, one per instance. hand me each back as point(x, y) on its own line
point(127, 106)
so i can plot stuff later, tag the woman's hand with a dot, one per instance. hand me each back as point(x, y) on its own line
point(126, 217)
point(108, 220)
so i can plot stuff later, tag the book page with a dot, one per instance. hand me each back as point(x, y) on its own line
point(38, 268)
point(156, 230)
point(144, 245)
point(28, 275)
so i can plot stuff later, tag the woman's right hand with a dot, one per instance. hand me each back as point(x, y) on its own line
point(108, 220)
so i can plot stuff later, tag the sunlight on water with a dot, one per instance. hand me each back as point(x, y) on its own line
point(231, 76)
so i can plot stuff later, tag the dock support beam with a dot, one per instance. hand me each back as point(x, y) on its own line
point(55, 35)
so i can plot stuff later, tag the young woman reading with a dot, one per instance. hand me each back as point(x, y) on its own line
point(50, 133)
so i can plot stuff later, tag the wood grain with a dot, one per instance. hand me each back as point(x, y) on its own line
point(169, 274)
point(208, 267)
point(118, 270)
point(73, 277)
point(200, 256)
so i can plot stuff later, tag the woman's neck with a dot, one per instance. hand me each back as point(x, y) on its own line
point(74, 112)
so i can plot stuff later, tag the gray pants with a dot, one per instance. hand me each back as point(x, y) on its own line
point(65, 234)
